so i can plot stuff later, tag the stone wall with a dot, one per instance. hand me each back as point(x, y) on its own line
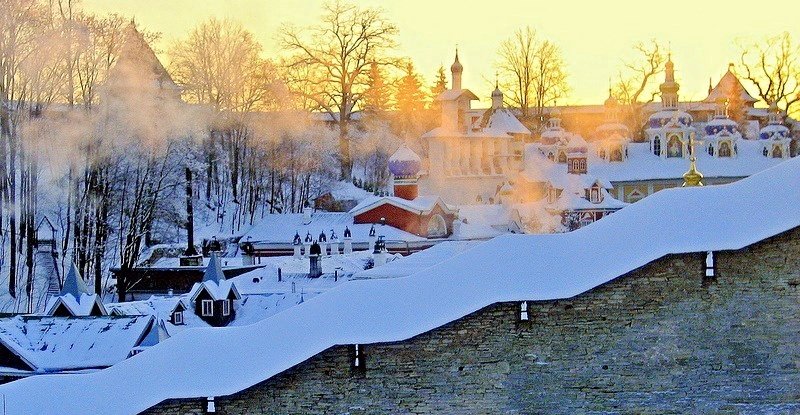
point(658, 340)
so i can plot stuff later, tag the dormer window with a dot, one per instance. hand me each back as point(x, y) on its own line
point(177, 317)
point(594, 195)
point(226, 307)
point(207, 308)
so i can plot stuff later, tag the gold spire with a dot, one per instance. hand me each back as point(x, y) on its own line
point(692, 177)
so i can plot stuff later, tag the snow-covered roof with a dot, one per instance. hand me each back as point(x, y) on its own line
point(346, 190)
point(728, 85)
point(572, 201)
point(75, 296)
point(642, 164)
point(281, 228)
point(74, 284)
point(774, 132)
point(160, 306)
point(420, 205)
point(417, 261)
point(670, 118)
point(506, 268)
point(454, 94)
point(80, 306)
point(502, 121)
point(53, 344)
point(541, 169)
point(214, 283)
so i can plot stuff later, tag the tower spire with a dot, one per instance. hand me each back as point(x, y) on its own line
point(669, 89)
point(456, 69)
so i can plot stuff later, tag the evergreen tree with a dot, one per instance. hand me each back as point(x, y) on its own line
point(410, 101)
point(377, 95)
point(440, 85)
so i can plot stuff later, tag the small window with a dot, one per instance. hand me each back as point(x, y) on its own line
point(177, 317)
point(595, 195)
point(207, 308)
point(226, 307)
point(211, 406)
point(711, 265)
point(523, 311)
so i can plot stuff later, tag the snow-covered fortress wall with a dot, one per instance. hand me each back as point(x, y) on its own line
point(660, 339)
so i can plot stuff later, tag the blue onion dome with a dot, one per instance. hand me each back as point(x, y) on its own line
point(721, 125)
point(404, 162)
point(670, 118)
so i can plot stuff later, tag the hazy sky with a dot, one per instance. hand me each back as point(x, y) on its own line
point(594, 36)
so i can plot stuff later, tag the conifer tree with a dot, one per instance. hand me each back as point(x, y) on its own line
point(410, 100)
point(440, 85)
point(377, 95)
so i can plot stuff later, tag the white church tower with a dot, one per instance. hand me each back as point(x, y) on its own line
point(668, 130)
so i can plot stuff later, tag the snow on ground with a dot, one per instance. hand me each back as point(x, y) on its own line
point(506, 268)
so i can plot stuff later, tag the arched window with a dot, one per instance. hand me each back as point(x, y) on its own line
point(657, 146)
point(710, 149)
point(777, 151)
point(562, 157)
point(724, 149)
point(437, 227)
point(616, 154)
point(674, 147)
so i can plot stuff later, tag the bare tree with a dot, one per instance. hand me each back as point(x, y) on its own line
point(773, 68)
point(219, 63)
point(635, 86)
point(532, 72)
point(338, 53)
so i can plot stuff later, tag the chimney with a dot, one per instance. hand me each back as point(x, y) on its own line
point(306, 214)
